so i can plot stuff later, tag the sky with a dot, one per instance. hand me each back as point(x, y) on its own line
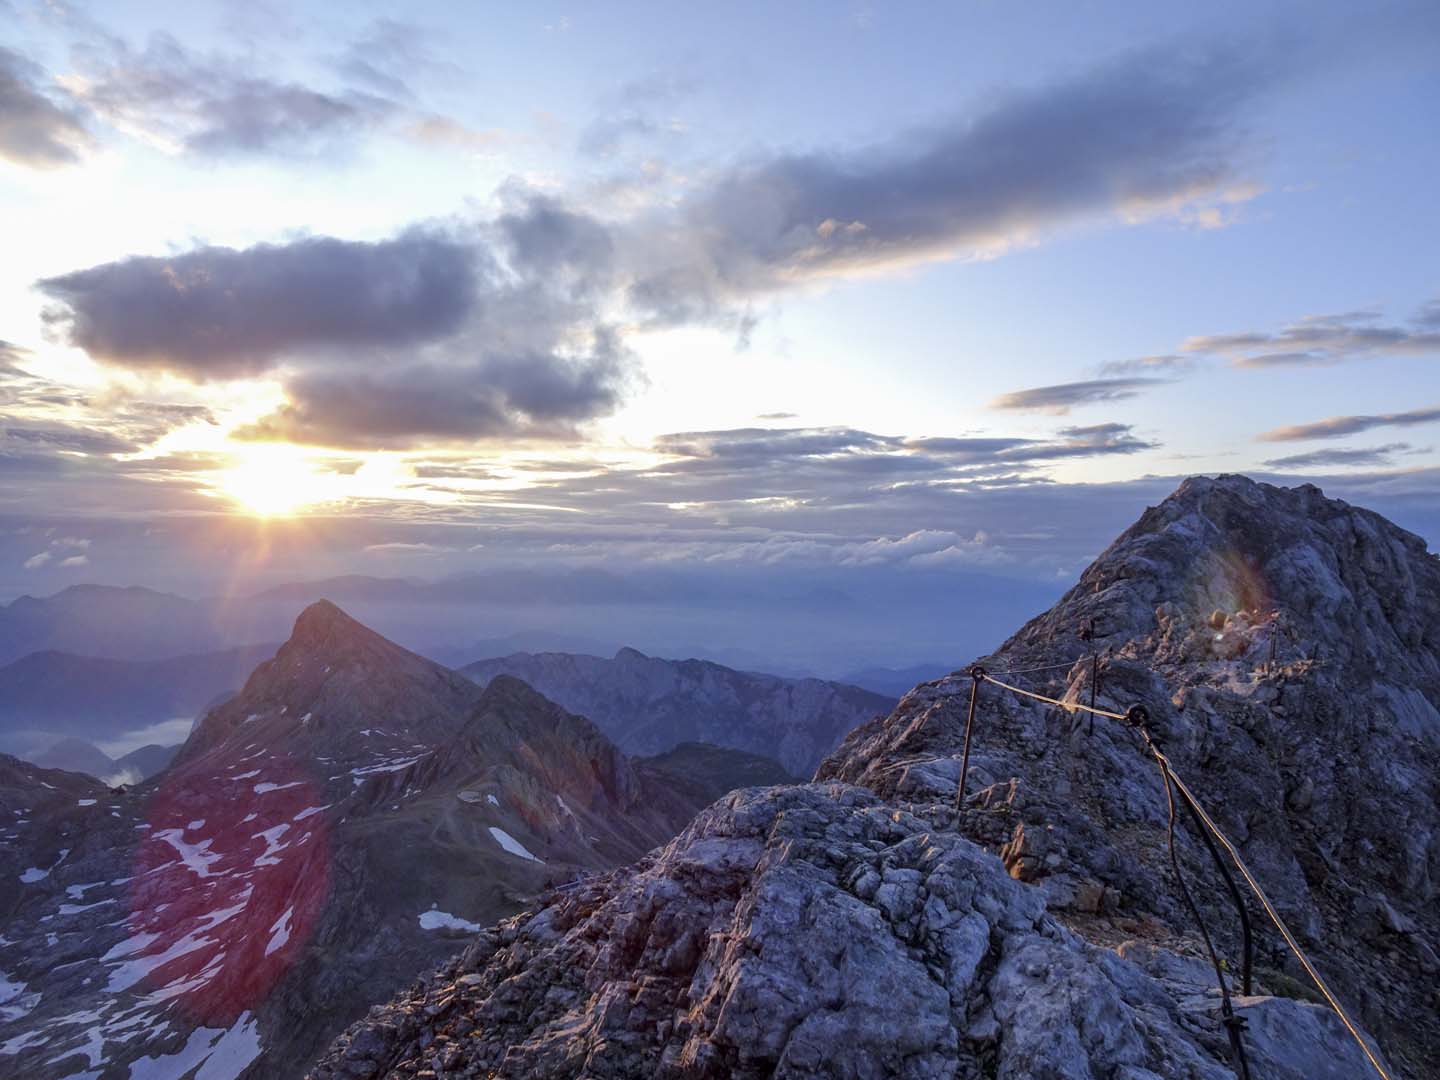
point(841, 297)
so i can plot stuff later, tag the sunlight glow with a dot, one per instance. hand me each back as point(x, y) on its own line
point(274, 480)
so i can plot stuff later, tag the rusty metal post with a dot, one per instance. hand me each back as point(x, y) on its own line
point(977, 673)
point(1087, 634)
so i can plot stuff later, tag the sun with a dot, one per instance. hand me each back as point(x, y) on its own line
point(276, 480)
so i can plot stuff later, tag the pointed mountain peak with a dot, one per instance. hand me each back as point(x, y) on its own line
point(339, 690)
point(632, 655)
point(323, 631)
point(323, 619)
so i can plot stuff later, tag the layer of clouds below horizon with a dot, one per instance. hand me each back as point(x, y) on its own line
point(751, 592)
point(1037, 532)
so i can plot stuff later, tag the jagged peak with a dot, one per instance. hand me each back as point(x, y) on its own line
point(1226, 565)
point(325, 629)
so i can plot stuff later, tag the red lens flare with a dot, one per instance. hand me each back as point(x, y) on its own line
point(228, 884)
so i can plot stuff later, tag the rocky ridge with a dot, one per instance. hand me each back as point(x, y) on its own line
point(649, 705)
point(1287, 648)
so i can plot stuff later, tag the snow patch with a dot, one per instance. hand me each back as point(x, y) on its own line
point(510, 844)
point(279, 932)
point(261, 789)
point(443, 920)
point(218, 1053)
point(197, 857)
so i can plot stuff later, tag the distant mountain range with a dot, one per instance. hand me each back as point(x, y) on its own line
point(648, 705)
point(63, 694)
point(77, 755)
point(100, 620)
point(334, 828)
point(824, 631)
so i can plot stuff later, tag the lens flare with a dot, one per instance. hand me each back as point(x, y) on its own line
point(228, 884)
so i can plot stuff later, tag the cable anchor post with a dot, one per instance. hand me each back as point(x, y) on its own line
point(1087, 635)
point(1235, 1026)
point(1138, 717)
point(977, 674)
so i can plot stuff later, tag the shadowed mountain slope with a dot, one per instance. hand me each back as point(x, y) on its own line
point(649, 705)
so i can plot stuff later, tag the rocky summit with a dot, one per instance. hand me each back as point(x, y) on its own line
point(1287, 650)
point(343, 823)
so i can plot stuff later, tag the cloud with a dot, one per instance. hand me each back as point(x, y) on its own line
point(57, 550)
point(429, 336)
point(926, 548)
point(1336, 426)
point(1375, 455)
point(766, 445)
point(39, 127)
point(400, 547)
point(433, 129)
point(227, 106)
point(1318, 340)
point(1062, 397)
point(217, 106)
point(536, 396)
point(631, 113)
point(1160, 364)
point(386, 56)
point(1093, 441)
point(1150, 134)
point(218, 312)
point(791, 460)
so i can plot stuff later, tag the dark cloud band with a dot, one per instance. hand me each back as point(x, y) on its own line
point(221, 313)
point(1335, 427)
point(1062, 397)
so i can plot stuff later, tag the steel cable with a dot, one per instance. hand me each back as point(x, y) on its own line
point(1279, 922)
point(1169, 773)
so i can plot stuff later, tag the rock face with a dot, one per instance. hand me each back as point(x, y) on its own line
point(812, 931)
point(340, 825)
point(648, 705)
point(863, 926)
